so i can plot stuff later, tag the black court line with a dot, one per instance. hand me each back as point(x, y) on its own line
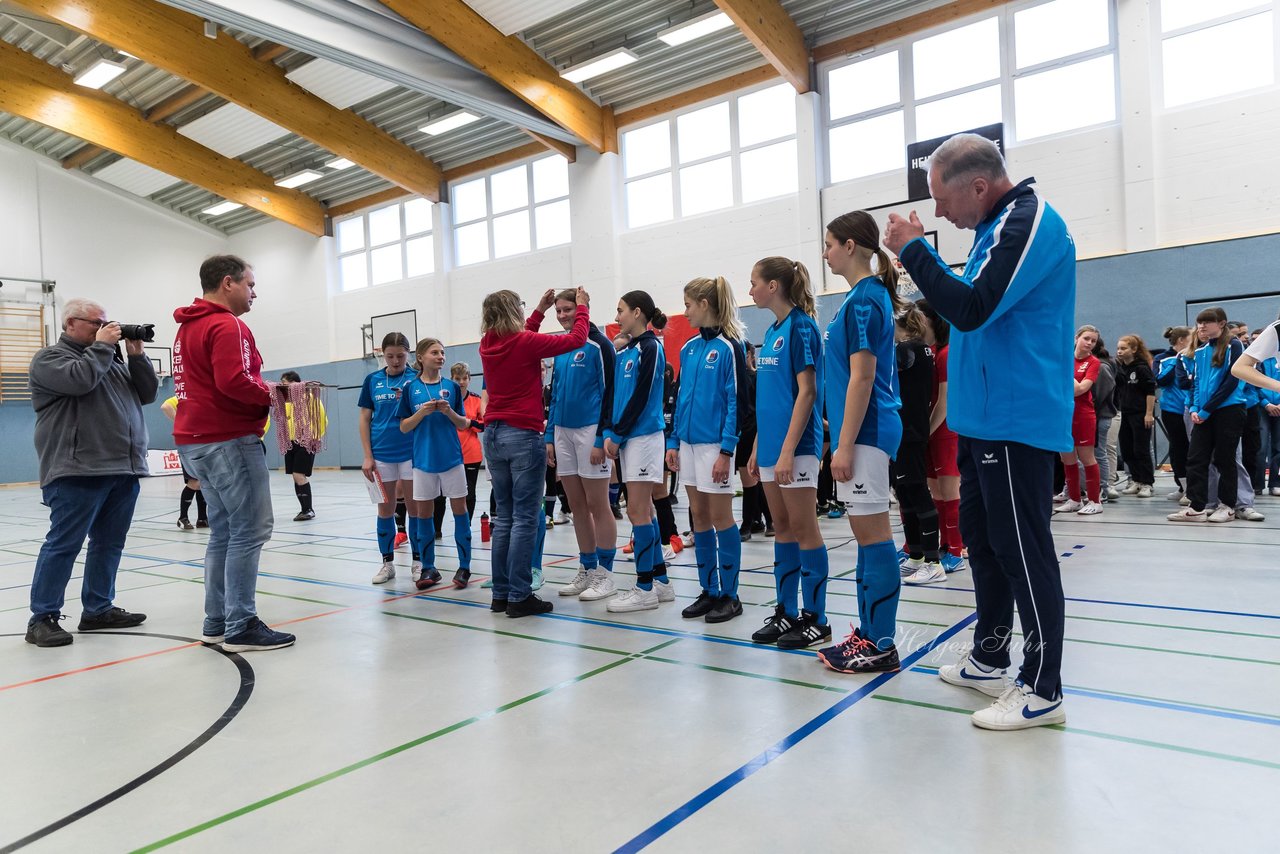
point(247, 681)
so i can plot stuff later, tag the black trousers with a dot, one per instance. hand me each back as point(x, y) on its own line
point(442, 504)
point(1251, 445)
point(1004, 519)
point(1214, 441)
point(1135, 447)
point(1175, 428)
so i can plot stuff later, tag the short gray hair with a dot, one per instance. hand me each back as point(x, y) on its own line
point(967, 155)
point(77, 307)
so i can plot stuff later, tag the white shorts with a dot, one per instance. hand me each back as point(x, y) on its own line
point(695, 469)
point(804, 474)
point(573, 453)
point(640, 459)
point(868, 492)
point(427, 486)
point(391, 472)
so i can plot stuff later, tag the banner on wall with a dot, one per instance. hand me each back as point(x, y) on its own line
point(918, 154)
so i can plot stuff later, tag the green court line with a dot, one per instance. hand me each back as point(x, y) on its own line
point(761, 676)
point(387, 754)
point(1175, 628)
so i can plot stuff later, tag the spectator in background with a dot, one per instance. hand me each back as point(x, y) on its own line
point(190, 485)
point(91, 440)
point(299, 462)
point(1136, 400)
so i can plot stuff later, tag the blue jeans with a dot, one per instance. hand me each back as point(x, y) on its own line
point(100, 508)
point(233, 476)
point(517, 461)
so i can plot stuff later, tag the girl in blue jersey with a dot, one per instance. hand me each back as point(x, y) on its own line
point(789, 373)
point(703, 440)
point(388, 451)
point(1216, 404)
point(581, 408)
point(1173, 404)
point(433, 410)
point(862, 408)
point(636, 440)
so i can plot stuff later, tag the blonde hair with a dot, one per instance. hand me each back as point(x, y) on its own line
point(913, 321)
point(794, 278)
point(568, 295)
point(423, 346)
point(500, 313)
point(719, 296)
point(458, 369)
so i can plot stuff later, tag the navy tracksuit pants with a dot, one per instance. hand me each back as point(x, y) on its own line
point(1004, 518)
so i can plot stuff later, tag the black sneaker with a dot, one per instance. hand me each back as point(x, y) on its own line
point(805, 633)
point(617, 511)
point(774, 627)
point(45, 631)
point(429, 578)
point(461, 578)
point(202, 523)
point(257, 637)
point(856, 654)
point(700, 607)
point(305, 516)
point(498, 606)
point(769, 532)
point(757, 527)
point(114, 618)
point(823, 509)
point(185, 524)
point(744, 534)
point(528, 607)
point(726, 608)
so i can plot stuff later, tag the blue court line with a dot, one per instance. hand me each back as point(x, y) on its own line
point(1136, 605)
point(677, 816)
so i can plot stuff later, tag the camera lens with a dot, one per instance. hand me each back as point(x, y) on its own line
point(138, 332)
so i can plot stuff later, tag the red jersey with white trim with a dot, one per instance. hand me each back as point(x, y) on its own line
point(939, 377)
point(1086, 369)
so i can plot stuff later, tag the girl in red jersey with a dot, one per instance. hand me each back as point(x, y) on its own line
point(1084, 428)
point(941, 460)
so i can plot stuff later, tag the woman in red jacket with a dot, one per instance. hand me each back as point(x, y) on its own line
point(511, 352)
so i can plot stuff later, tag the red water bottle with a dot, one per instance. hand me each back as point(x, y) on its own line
point(485, 530)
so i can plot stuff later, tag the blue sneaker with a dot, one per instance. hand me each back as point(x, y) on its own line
point(953, 563)
point(903, 557)
point(257, 637)
point(835, 512)
point(537, 580)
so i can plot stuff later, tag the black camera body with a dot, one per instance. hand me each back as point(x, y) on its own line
point(138, 332)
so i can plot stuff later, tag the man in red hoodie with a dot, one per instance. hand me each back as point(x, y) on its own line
point(217, 376)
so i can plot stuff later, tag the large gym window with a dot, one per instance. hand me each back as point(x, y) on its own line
point(735, 151)
point(1211, 50)
point(512, 211)
point(386, 245)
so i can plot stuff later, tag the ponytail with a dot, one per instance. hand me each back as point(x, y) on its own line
point(861, 228)
point(912, 321)
point(650, 312)
point(794, 279)
point(719, 296)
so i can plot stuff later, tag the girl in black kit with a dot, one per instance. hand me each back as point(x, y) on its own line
point(909, 468)
point(1136, 400)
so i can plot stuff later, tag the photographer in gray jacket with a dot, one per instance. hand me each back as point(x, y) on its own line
point(92, 444)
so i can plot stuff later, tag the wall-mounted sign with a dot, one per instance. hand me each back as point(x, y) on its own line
point(918, 154)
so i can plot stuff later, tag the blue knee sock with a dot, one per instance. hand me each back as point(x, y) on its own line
point(786, 575)
point(659, 562)
point(615, 489)
point(539, 541)
point(730, 541)
point(813, 581)
point(644, 546)
point(462, 537)
point(427, 541)
point(606, 557)
point(859, 577)
point(588, 560)
point(882, 582)
point(704, 550)
point(415, 537)
point(387, 537)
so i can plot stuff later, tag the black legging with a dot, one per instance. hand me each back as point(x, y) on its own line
point(919, 513)
point(1215, 440)
point(1251, 444)
point(1175, 428)
point(1135, 448)
point(442, 504)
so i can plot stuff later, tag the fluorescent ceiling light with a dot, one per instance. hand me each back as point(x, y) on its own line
point(339, 163)
point(610, 61)
point(297, 179)
point(100, 74)
point(453, 121)
point(703, 25)
point(221, 207)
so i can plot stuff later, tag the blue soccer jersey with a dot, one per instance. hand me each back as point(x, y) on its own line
point(381, 394)
point(637, 390)
point(865, 322)
point(436, 447)
point(789, 348)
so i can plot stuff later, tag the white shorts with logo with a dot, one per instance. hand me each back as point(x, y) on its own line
point(695, 468)
point(427, 486)
point(868, 492)
point(804, 474)
point(640, 459)
point(391, 472)
point(573, 453)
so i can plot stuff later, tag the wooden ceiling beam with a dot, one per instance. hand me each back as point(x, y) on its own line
point(696, 95)
point(768, 26)
point(508, 61)
point(37, 91)
point(905, 27)
point(567, 150)
point(174, 41)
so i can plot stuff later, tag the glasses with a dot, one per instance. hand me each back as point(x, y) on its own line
point(97, 324)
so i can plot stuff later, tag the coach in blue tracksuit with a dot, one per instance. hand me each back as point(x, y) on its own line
point(1011, 408)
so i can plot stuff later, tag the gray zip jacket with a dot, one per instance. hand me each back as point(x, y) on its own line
point(89, 410)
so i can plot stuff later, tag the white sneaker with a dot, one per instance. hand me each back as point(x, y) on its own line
point(416, 571)
point(634, 599)
point(1068, 506)
point(1089, 509)
point(382, 576)
point(930, 573)
point(1184, 501)
point(970, 674)
point(668, 555)
point(1222, 514)
point(1249, 514)
point(1111, 492)
point(666, 593)
point(1060, 497)
point(1275, 490)
point(599, 586)
point(1131, 489)
point(1176, 495)
point(1186, 514)
point(1144, 491)
point(579, 583)
point(911, 566)
point(563, 519)
point(1019, 708)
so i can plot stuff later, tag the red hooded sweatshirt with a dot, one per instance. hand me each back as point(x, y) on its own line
point(513, 369)
point(217, 376)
